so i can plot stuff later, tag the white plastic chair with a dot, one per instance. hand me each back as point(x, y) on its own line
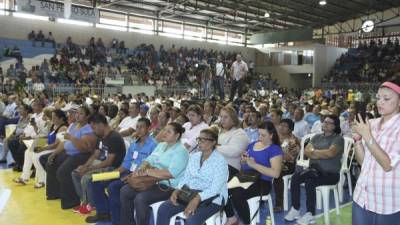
point(213, 220)
point(348, 156)
point(286, 187)
point(155, 207)
point(300, 162)
point(254, 204)
point(324, 191)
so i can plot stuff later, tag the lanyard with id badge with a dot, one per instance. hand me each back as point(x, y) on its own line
point(134, 157)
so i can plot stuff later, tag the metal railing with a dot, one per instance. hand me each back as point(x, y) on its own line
point(100, 90)
point(350, 85)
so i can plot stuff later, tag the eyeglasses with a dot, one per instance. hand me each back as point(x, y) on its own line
point(200, 139)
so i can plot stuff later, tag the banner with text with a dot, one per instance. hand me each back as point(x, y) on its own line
point(56, 10)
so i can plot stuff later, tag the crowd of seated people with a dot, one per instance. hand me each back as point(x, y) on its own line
point(139, 135)
point(90, 64)
point(364, 63)
point(39, 37)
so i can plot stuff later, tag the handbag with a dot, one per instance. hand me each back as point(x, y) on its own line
point(248, 176)
point(142, 183)
point(185, 195)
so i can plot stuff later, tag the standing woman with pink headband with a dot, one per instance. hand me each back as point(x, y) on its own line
point(376, 198)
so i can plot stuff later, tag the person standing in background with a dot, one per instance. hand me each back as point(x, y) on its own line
point(238, 73)
point(220, 77)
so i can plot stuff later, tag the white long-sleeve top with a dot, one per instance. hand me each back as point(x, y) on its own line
point(191, 133)
point(231, 144)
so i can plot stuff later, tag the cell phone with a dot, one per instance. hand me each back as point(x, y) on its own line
point(361, 108)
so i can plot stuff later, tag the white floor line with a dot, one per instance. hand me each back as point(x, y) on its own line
point(4, 197)
point(341, 206)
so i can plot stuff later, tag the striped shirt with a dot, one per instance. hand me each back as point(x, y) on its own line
point(376, 190)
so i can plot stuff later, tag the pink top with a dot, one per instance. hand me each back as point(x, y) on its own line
point(376, 190)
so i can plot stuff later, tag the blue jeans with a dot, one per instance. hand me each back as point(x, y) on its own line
point(168, 210)
point(82, 184)
point(108, 204)
point(362, 216)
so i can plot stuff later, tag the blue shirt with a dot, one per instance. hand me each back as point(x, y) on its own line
point(311, 118)
point(210, 178)
point(263, 157)
point(174, 159)
point(70, 148)
point(252, 133)
point(137, 153)
point(51, 137)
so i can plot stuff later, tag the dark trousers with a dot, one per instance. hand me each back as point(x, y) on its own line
point(361, 216)
point(5, 121)
point(106, 204)
point(239, 197)
point(17, 150)
point(43, 160)
point(229, 206)
point(236, 84)
point(59, 181)
point(132, 199)
point(219, 85)
point(168, 210)
point(311, 182)
point(289, 168)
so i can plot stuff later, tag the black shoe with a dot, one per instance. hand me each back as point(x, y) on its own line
point(11, 164)
point(3, 161)
point(17, 169)
point(52, 198)
point(98, 217)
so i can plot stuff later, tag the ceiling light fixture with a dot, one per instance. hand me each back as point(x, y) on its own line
point(267, 15)
point(322, 2)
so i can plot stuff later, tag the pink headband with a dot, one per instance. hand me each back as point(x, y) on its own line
point(392, 86)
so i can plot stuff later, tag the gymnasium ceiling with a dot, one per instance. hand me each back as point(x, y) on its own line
point(250, 14)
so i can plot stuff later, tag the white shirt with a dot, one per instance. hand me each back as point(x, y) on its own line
point(239, 69)
point(42, 131)
point(128, 122)
point(191, 133)
point(10, 110)
point(38, 86)
point(232, 144)
point(219, 69)
point(301, 129)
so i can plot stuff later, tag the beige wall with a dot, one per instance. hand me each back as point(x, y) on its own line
point(18, 28)
point(324, 59)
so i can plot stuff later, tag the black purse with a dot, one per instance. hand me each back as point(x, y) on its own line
point(185, 195)
point(248, 176)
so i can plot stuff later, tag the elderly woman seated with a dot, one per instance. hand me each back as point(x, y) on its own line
point(207, 174)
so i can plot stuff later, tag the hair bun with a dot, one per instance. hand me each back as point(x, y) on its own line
point(182, 130)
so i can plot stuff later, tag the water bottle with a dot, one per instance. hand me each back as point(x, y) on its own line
point(268, 221)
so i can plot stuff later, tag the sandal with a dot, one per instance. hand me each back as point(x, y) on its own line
point(19, 181)
point(39, 185)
